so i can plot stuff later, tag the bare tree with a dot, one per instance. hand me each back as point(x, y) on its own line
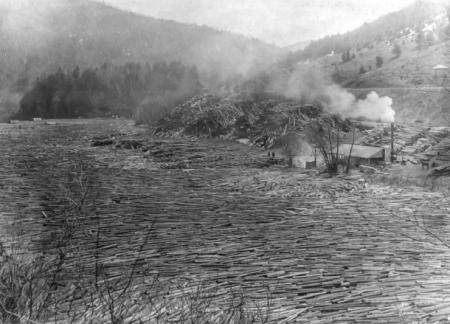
point(347, 169)
point(326, 135)
point(323, 134)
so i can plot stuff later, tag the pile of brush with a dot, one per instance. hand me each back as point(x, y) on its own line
point(259, 121)
point(201, 116)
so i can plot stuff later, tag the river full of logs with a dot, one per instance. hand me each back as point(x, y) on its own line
point(318, 250)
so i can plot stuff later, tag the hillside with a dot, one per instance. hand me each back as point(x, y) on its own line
point(408, 44)
point(86, 32)
point(393, 55)
point(385, 28)
point(420, 105)
point(39, 37)
point(405, 60)
point(298, 46)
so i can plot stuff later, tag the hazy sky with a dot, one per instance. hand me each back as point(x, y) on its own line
point(281, 22)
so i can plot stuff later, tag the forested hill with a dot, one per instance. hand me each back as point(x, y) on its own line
point(38, 37)
point(398, 50)
point(64, 32)
point(143, 91)
point(396, 56)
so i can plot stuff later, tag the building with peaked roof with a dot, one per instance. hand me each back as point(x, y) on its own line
point(362, 151)
point(361, 154)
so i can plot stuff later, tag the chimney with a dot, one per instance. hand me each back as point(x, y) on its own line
point(392, 143)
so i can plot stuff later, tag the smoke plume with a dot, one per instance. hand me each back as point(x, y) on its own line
point(310, 85)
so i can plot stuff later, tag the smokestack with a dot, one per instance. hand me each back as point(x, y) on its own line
point(392, 143)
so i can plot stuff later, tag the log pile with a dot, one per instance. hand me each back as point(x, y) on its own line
point(183, 154)
point(404, 136)
point(437, 152)
point(260, 122)
point(429, 145)
point(440, 171)
point(102, 141)
point(294, 184)
point(356, 257)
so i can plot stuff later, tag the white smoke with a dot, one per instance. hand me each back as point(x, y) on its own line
point(373, 107)
point(308, 84)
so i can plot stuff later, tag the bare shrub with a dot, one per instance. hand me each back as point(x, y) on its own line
point(56, 286)
point(326, 135)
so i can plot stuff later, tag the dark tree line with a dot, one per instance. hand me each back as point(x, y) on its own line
point(109, 90)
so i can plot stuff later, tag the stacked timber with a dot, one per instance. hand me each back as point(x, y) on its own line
point(259, 121)
point(440, 171)
point(366, 256)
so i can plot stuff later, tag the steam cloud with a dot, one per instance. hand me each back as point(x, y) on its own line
point(312, 86)
point(373, 107)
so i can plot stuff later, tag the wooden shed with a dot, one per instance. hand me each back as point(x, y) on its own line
point(361, 154)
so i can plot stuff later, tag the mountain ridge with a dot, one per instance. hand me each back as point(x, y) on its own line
point(39, 37)
point(394, 59)
point(91, 33)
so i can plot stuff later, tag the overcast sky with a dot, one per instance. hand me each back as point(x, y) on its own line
point(281, 22)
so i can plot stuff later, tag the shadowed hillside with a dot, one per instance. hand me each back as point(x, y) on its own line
point(86, 32)
point(38, 37)
point(418, 105)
